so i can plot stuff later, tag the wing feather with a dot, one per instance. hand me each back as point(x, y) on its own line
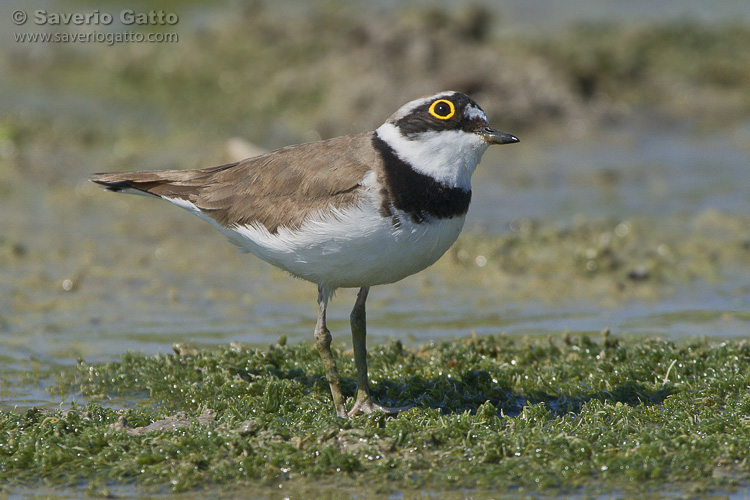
point(277, 189)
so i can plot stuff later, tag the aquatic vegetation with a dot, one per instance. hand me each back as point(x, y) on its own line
point(541, 414)
point(607, 260)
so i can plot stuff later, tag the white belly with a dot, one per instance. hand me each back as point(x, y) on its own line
point(352, 249)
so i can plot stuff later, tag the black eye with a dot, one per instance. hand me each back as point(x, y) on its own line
point(442, 109)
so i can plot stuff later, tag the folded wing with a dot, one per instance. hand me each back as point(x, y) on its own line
point(277, 189)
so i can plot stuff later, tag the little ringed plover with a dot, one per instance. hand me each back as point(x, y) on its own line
point(353, 211)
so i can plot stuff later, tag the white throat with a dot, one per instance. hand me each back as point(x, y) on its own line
point(448, 156)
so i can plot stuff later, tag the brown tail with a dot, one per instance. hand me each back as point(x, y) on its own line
point(183, 184)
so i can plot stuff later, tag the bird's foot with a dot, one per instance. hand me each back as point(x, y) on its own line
point(368, 406)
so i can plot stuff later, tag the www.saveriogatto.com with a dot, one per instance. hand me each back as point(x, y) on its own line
point(115, 26)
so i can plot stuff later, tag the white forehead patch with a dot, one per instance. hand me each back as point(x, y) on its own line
point(472, 112)
point(412, 105)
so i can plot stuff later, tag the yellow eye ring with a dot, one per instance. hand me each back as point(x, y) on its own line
point(442, 117)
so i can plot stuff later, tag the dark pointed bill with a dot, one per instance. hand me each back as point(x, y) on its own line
point(496, 137)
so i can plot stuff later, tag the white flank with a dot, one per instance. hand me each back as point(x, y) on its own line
point(348, 248)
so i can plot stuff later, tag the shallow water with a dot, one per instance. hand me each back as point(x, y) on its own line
point(144, 275)
point(628, 170)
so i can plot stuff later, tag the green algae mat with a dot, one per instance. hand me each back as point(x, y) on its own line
point(570, 413)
